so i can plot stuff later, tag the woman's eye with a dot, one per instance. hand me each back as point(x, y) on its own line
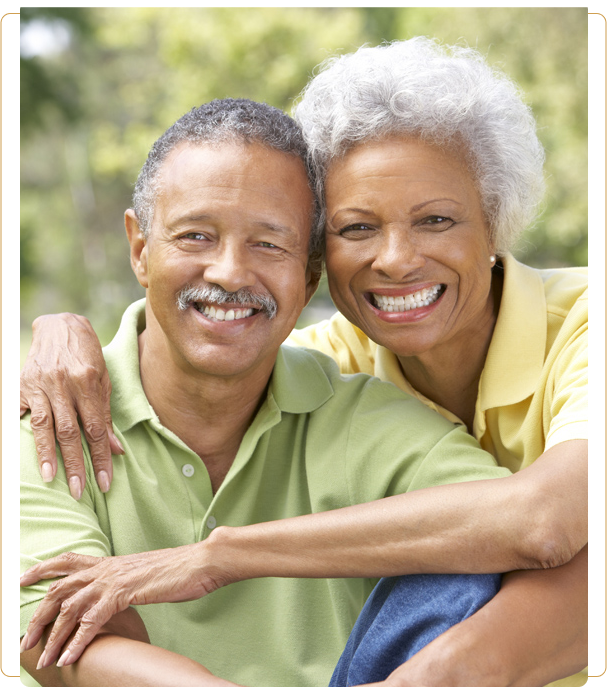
point(353, 231)
point(437, 222)
point(266, 244)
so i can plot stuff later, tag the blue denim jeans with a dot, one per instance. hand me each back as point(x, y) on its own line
point(401, 616)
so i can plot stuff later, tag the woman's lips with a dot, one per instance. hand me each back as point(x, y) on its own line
point(405, 305)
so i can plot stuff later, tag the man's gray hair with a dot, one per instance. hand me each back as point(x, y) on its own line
point(222, 121)
point(448, 96)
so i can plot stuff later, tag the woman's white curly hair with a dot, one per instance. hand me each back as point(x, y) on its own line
point(447, 95)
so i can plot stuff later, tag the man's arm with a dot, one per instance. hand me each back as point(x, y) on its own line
point(531, 633)
point(122, 655)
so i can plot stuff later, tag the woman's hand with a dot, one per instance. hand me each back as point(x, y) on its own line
point(98, 588)
point(64, 378)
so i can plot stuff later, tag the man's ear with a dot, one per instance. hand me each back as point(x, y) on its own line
point(139, 247)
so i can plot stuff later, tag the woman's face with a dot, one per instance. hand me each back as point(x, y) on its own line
point(408, 255)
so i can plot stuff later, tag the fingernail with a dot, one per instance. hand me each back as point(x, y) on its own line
point(24, 643)
point(41, 661)
point(103, 481)
point(75, 487)
point(63, 660)
point(47, 472)
point(118, 443)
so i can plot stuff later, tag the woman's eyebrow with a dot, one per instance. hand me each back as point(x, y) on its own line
point(419, 206)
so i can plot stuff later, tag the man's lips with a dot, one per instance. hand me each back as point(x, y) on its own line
point(224, 313)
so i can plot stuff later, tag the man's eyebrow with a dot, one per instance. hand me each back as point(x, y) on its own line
point(280, 229)
point(277, 228)
point(190, 219)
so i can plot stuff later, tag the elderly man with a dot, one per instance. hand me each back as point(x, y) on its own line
point(223, 426)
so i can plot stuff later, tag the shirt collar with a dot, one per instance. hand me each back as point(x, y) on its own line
point(516, 354)
point(129, 402)
point(299, 382)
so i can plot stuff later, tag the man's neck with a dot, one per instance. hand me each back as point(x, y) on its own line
point(209, 414)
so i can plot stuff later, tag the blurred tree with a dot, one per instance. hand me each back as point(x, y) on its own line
point(99, 85)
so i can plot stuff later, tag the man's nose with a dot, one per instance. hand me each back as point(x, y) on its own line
point(229, 268)
point(398, 254)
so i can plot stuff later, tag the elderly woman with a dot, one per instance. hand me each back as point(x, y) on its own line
point(429, 167)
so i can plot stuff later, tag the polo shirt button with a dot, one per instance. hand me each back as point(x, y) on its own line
point(211, 522)
point(188, 470)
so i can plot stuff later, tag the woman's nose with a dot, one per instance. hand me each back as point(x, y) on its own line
point(398, 255)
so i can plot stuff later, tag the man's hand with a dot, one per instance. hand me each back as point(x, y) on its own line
point(64, 378)
point(98, 588)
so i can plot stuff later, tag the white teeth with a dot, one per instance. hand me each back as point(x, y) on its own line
point(220, 315)
point(419, 299)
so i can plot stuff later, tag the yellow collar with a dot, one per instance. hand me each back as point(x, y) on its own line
point(518, 345)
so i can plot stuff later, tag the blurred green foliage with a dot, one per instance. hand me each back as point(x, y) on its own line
point(92, 107)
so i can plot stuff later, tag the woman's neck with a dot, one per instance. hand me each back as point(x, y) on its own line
point(449, 374)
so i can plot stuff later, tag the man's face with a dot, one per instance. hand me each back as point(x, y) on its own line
point(236, 218)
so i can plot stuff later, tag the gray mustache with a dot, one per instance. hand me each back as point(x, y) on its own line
point(243, 298)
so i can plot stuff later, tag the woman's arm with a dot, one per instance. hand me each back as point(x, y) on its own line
point(536, 518)
point(122, 655)
point(487, 523)
point(533, 632)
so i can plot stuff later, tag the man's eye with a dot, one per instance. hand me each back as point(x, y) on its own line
point(266, 244)
point(194, 236)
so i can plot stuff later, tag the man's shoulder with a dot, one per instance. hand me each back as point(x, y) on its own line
point(360, 397)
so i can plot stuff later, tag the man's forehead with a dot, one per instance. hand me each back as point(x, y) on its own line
point(271, 184)
point(223, 153)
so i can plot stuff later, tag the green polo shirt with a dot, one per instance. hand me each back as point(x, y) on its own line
point(320, 441)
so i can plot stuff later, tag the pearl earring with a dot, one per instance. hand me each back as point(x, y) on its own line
point(492, 260)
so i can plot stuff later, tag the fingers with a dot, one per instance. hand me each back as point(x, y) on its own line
point(45, 613)
point(43, 429)
point(62, 597)
point(73, 612)
point(25, 406)
point(93, 418)
point(96, 418)
point(67, 430)
point(90, 624)
point(64, 425)
point(83, 610)
point(64, 564)
point(79, 600)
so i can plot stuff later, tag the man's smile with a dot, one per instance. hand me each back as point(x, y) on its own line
point(217, 314)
